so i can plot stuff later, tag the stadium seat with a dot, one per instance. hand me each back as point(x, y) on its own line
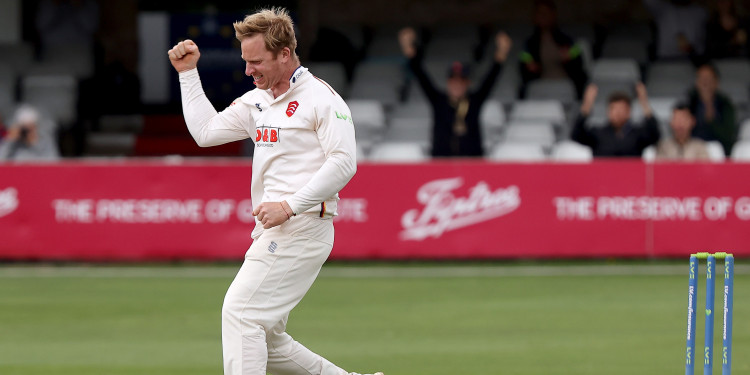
point(649, 154)
point(741, 151)
point(417, 130)
point(562, 90)
point(635, 30)
point(737, 90)
point(54, 94)
point(110, 144)
point(538, 132)
point(332, 73)
point(615, 70)
point(625, 48)
point(744, 134)
point(389, 72)
point(369, 119)
point(78, 59)
point(675, 88)
point(519, 152)
point(661, 107)
point(674, 71)
point(7, 89)
point(361, 154)
point(570, 151)
point(18, 55)
point(550, 111)
point(398, 152)
point(420, 109)
point(491, 120)
point(384, 44)
point(506, 87)
point(715, 151)
point(384, 92)
point(733, 70)
point(580, 31)
point(452, 47)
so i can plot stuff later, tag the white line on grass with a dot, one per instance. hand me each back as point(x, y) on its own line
point(356, 271)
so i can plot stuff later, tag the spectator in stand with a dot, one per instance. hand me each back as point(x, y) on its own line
point(619, 138)
point(67, 22)
point(29, 138)
point(681, 26)
point(713, 111)
point(456, 130)
point(681, 145)
point(727, 32)
point(549, 53)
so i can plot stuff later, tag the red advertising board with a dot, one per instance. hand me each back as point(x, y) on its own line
point(440, 210)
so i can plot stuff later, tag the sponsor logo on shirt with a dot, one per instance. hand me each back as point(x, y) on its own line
point(344, 116)
point(266, 136)
point(291, 108)
point(8, 201)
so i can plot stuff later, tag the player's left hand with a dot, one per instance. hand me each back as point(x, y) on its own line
point(270, 214)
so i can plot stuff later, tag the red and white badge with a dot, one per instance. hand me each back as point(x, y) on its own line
point(291, 108)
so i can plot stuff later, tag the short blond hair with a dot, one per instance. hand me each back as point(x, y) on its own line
point(275, 25)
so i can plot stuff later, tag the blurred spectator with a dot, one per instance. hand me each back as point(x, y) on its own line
point(681, 145)
point(681, 26)
point(713, 111)
point(456, 130)
point(619, 137)
point(67, 22)
point(727, 32)
point(550, 53)
point(29, 137)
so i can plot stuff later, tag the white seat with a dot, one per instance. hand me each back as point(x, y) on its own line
point(55, 95)
point(379, 71)
point(744, 134)
point(741, 151)
point(384, 92)
point(417, 130)
point(110, 144)
point(674, 71)
point(506, 87)
point(522, 152)
point(661, 107)
point(491, 119)
point(715, 151)
point(530, 132)
point(618, 70)
point(562, 90)
point(369, 119)
point(737, 70)
point(668, 87)
point(550, 111)
point(625, 47)
point(418, 109)
point(570, 151)
point(332, 73)
point(737, 91)
point(399, 152)
point(649, 154)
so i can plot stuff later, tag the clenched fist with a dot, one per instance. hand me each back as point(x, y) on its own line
point(184, 55)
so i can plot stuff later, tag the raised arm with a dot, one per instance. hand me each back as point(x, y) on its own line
point(503, 43)
point(407, 38)
point(207, 126)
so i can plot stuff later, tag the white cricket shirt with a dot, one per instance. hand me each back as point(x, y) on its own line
point(305, 151)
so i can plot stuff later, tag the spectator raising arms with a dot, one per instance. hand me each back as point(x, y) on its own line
point(619, 137)
point(456, 130)
point(713, 111)
point(550, 53)
point(681, 146)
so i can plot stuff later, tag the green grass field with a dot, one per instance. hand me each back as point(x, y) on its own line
point(538, 319)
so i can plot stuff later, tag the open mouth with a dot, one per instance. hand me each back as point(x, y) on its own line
point(256, 79)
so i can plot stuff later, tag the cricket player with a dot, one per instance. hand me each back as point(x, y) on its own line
point(304, 154)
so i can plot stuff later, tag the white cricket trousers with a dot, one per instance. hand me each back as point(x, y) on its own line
point(279, 269)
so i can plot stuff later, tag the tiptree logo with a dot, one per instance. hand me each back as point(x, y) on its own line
point(8, 201)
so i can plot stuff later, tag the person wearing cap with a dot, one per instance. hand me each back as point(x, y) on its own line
point(456, 130)
point(28, 139)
